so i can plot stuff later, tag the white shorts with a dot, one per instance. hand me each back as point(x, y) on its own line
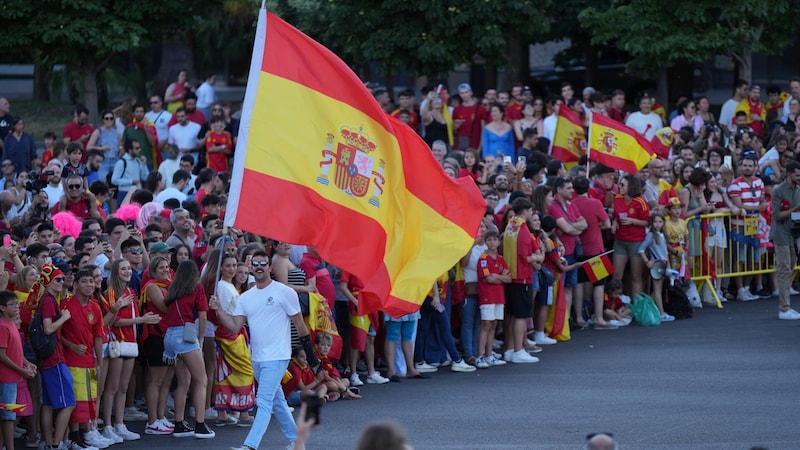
point(492, 312)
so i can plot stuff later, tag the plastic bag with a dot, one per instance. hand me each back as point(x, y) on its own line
point(645, 311)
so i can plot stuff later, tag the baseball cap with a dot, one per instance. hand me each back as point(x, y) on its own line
point(160, 247)
point(464, 86)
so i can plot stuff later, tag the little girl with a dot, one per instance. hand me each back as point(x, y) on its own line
point(656, 245)
point(300, 379)
point(615, 311)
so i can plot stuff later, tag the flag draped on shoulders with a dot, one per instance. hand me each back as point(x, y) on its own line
point(569, 140)
point(616, 145)
point(319, 163)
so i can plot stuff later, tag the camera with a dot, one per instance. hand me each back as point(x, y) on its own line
point(38, 181)
point(711, 128)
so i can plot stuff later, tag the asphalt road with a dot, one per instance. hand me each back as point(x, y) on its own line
point(725, 379)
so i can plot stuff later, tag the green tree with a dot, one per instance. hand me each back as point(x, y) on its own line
point(86, 35)
point(427, 37)
point(659, 34)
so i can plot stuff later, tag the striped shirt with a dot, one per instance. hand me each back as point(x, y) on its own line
point(751, 194)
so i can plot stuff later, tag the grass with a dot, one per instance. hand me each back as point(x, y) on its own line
point(41, 117)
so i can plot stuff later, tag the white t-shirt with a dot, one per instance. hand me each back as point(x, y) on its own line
point(169, 193)
point(167, 169)
point(160, 120)
point(184, 136)
point(205, 95)
point(267, 311)
point(549, 127)
point(639, 122)
point(727, 112)
point(54, 194)
point(471, 271)
point(769, 156)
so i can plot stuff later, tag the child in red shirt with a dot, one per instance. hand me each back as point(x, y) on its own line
point(339, 387)
point(492, 274)
point(219, 145)
point(301, 380)
point(14, 367)
point(614, 309)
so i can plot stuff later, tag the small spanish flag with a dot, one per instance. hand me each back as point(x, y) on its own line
point(662, 142)
point(616, 145)
point(598, 268)
point(569, 140)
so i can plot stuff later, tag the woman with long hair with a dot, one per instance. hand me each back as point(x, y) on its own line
point(159, 373)
point(284, 271)
point(532, 117)
point(235, 392)
point(180, 253)
point(472, 167)
point(186, 300)
point(106, 139)
point(242, 279)
point(176, 92)
point(631, 218)
point(498, 136)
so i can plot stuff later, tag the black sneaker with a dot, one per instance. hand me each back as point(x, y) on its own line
point(202, 431)
point(182, 429)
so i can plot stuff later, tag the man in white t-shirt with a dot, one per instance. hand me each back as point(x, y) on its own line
point(644, 121)
point(179, 181)
point(549, 122)
point(729, 107)
point(160, 118)
point(270, 308)
point(206, 95)
point(184, 135)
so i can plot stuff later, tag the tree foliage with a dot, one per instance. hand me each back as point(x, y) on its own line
point(428, 37)
point(661, 34)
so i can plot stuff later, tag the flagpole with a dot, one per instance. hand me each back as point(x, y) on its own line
point(588, 142)
point(219, 261)
point(597, 256)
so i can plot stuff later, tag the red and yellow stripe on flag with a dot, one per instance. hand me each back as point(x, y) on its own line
point(598, 268)
point(319, 163)
point(616, 145)
point(13, 407)
point(569, 140)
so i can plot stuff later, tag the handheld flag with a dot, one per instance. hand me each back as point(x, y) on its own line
point(616, 145)
point(569, 140)
point(598, 268)
point(662, 142)
point(319, 163)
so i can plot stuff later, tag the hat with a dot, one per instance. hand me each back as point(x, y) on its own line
point(674, 201)
point(601, 169)
point(49, 272)
point(160, 247)
point(463, 86)
point(62, 265)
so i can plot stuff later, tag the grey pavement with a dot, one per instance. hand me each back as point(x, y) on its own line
point(725, 379)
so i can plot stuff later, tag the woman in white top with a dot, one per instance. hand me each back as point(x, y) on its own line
point(470, 310)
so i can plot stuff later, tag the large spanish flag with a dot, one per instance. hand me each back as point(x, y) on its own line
point(569, 140)
point(616, 145)
point(319, 163)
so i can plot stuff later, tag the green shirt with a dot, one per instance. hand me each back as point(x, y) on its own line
point(780, 232)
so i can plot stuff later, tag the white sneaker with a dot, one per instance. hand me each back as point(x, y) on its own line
point(376, 378)
point(462, 366)
point(530, 343)
point(132, 414)
point(122, 431)
point(425, 368)
point(792, 291)
point(211, 413)
point(95, 439)
point(508, 355)
point(157, 428)
point(355, 380)
point(542, 339)
point(744, 295)
point(482, 363)
point(522, 356)
point(166, 423)
point(667, 318)
point(496, 362)
point(108, 433)
point(789, 315)
point(75, 446)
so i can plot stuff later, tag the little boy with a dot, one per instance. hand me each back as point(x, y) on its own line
point(13, 366)
point(492, 274)
point(614, 309)
point(219, 145)
point(49, 142)
point(337, 386)
point(74, 166)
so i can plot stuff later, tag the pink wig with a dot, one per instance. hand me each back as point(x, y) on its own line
point(67, 224)
point(128, 212)
point(146, 214)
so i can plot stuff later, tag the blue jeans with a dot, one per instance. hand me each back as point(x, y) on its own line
point(270, 400)
point(470, 325)
point(434, 331)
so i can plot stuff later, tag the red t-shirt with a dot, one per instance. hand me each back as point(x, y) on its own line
point(50, 311)
point(299, 373)
point(79, 208)
point(595, 214)
point(11, 341)
point(75, 132)
point(636, 209)
point(126, 333)
point(524, 249)
point(612, 303)
point(314, 267)
point(85, 324)
point(413, 123)
point(569, 213)
point(469, 114)
point(491, 293)
point(195, 302)
point(513, 112)
point(219, 160)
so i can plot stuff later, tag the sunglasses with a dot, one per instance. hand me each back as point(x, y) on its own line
point(136, 251)
point(59, 279)
point(260, 263)
point(108, 118)
point(74, 186)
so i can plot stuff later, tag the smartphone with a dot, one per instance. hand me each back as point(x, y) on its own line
point(726, 160)
point(522, 160)
point(104, 237)
point(506, 160)
point(6, 240)
point(313, 404)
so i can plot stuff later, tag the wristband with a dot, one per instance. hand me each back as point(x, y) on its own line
point(311, 357)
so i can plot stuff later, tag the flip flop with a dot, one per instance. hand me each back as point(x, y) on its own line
point(604, 327)
point(395, 379)
point(354, 390)
point(420, 376)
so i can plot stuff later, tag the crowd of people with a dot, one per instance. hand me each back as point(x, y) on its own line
point(113, 242)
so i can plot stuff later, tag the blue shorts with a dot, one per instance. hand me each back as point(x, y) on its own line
point(8, 394)
point(571, 277)
point(174, 345)
point(57, 389)
point(294, 399)
point(746, 246)
point(400, 331)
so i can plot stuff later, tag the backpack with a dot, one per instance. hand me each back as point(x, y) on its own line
point(43, 344)
point(110, 174)
point(677, 303)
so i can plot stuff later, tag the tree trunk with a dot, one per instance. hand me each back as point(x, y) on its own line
point(591, 66)
point(745, 66)
point(519, 62)
point(176, 55)
point(41, 92)
point(89, 76)
point(662, 88)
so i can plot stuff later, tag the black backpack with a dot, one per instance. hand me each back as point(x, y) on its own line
point(677, 303)
point(110, 174)
point(43, 344)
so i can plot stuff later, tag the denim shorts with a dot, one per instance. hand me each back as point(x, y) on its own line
point(571, 277)
point(400, 331)
point(8, 394)
point(174, 344)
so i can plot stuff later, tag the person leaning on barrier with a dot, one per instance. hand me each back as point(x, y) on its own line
point(784, 234)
